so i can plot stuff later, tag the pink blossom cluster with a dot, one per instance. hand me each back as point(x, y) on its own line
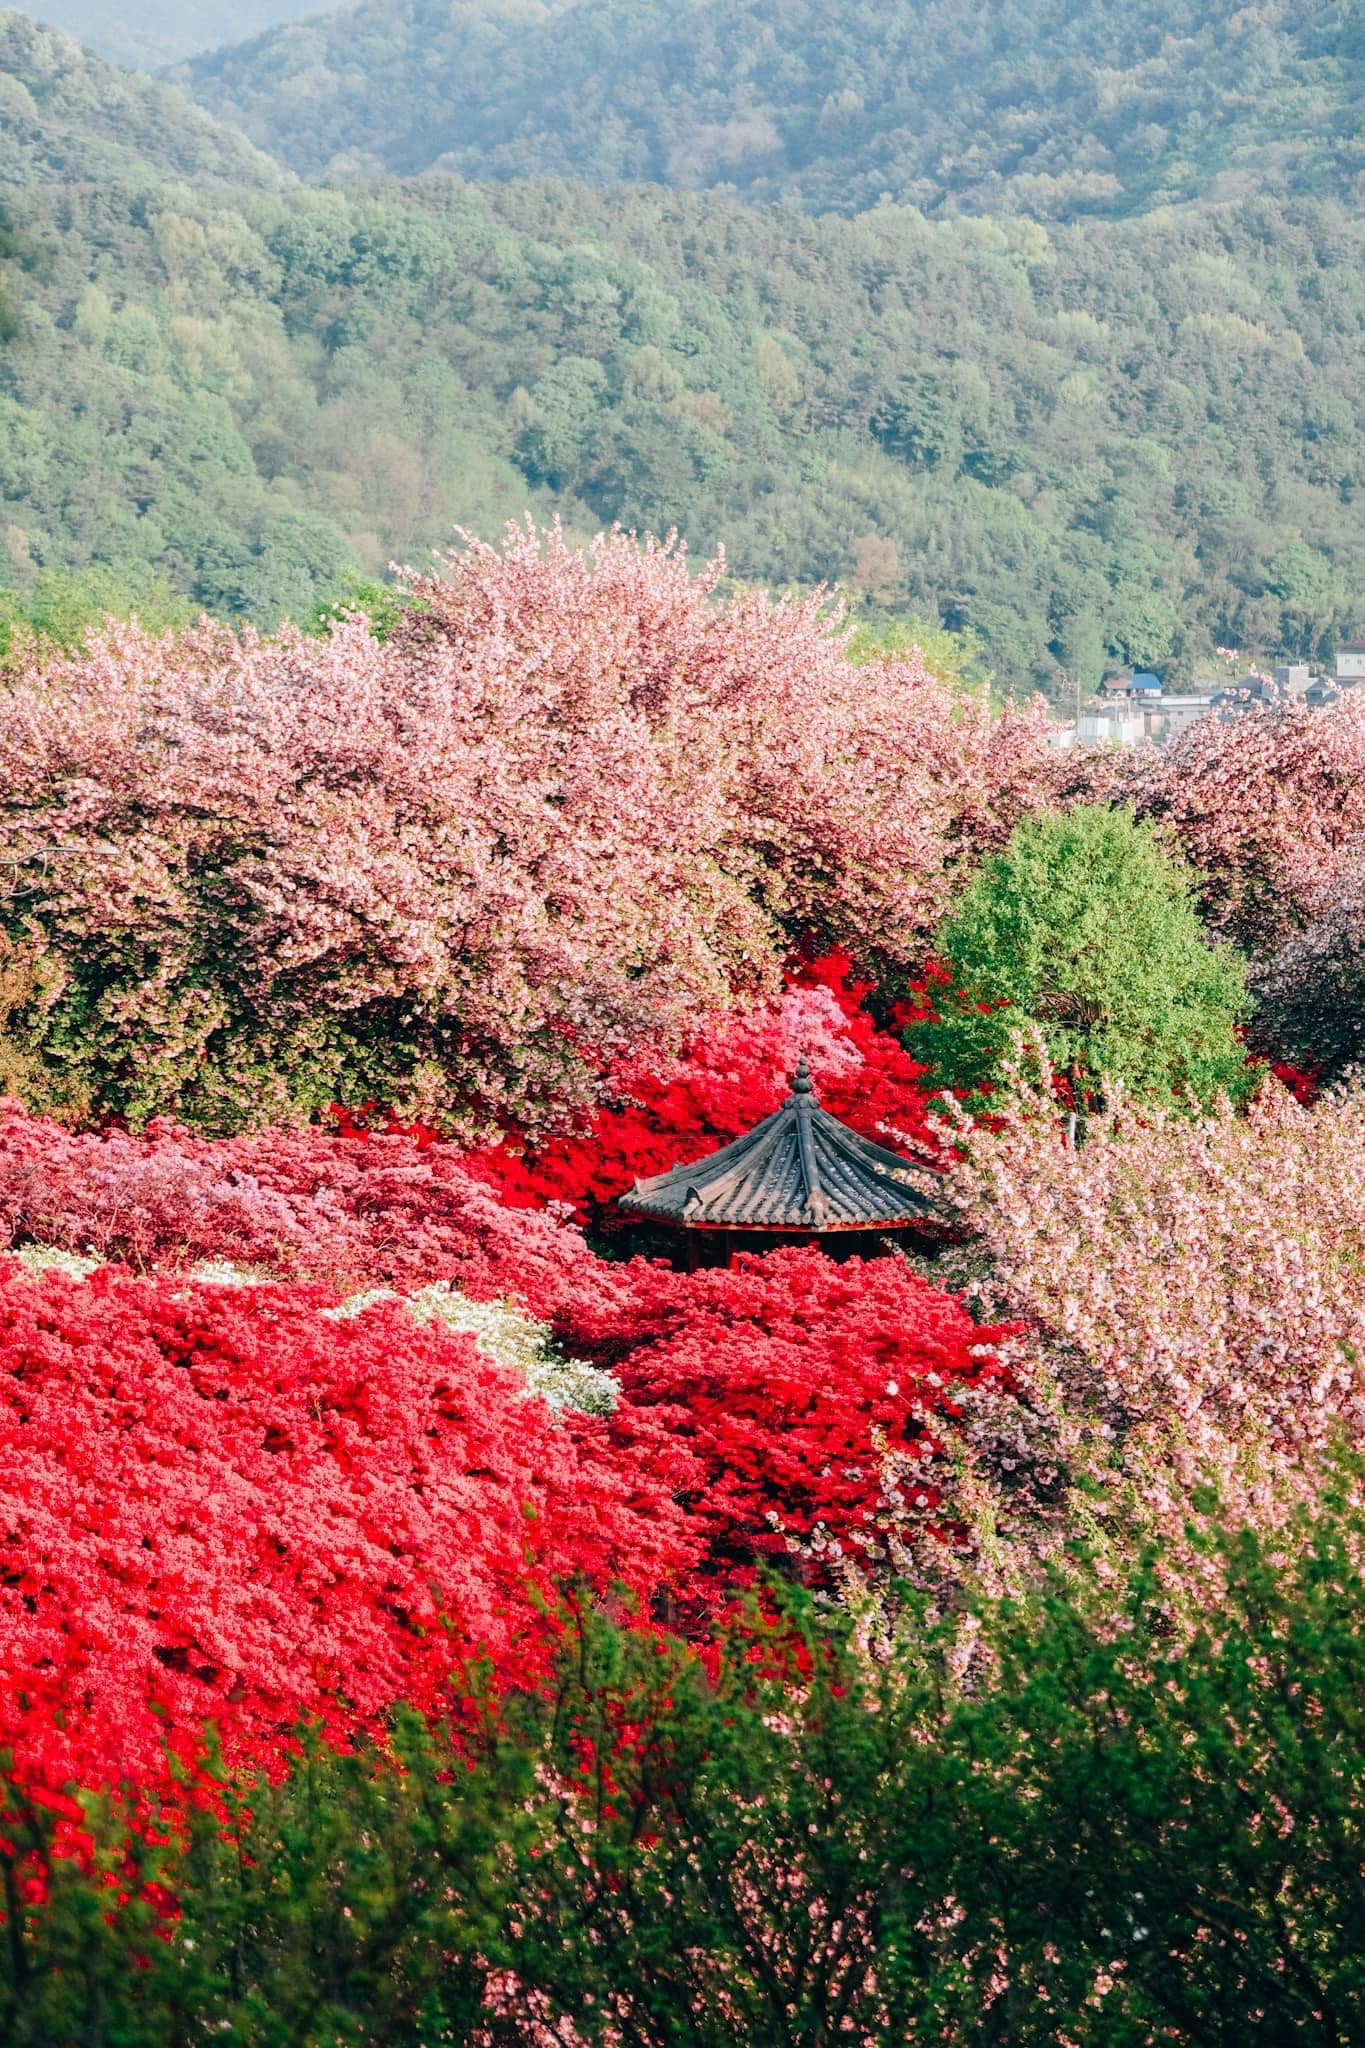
point(1194, 1292)
point(575, 803)
point(1270, 806)
point(345, 1212)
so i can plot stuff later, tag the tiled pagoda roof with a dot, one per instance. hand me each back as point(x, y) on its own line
point(800, 1169)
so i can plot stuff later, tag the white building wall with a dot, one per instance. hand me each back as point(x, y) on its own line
point(1101, 728)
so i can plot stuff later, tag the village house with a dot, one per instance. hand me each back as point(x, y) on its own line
point(1131, 709)
point(1351, 663)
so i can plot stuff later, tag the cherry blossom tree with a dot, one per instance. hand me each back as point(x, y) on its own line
point(1269, 806)
point(574, 804)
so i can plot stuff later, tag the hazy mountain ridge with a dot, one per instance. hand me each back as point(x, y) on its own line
point(146, 34)
point(1047, 107)
point(66, 116)
point(1129, 438)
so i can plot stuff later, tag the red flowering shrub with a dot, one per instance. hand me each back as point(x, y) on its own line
point(806, 1392)
point(220, 1504)
point(227, 1506)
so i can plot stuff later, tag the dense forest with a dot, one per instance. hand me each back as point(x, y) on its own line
point(1047, 107)
point(1081, 441)
point(68, 118)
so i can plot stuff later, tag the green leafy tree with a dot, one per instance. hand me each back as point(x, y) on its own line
point(1079, 648)
point(1084, 929)
point(61, 607)
point(960, 658)
point(380, 603)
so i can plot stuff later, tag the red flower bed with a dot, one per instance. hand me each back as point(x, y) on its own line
point(799, 1387)
point(220, 1504)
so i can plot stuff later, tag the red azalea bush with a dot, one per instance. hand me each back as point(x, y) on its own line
point(224, 1504)
point(807, 1394)
point(219, 1504)
point(237, 1509)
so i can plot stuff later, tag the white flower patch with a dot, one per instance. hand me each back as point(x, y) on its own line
point(511, 1338)
point(507, 1336)
point(356, 1304)
point(222, 1273)
point(50, 1258)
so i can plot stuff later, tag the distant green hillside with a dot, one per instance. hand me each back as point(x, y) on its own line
point(68, 117)
point(1053, 108)
point(148, 33)
point(1140, 437)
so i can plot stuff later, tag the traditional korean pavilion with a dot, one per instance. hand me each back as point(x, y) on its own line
point(798, 1177)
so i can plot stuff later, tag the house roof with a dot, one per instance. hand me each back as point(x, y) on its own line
point(800, 1169)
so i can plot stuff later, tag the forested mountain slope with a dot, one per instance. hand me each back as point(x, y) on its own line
point(1047, 107)
point(147, 33)
point(68, 117)
point(1134, 436)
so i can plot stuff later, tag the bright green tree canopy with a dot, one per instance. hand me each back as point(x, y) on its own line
point(1084, 927)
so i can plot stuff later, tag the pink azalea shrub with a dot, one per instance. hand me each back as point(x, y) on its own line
point(1193, 1293)
point(576, 803)
point(347, 1212)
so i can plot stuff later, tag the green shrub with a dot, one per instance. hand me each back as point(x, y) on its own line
point(1136, 1818)
point(1085, 929)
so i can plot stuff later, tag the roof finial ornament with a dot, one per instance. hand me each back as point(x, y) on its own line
point(802, 1083)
